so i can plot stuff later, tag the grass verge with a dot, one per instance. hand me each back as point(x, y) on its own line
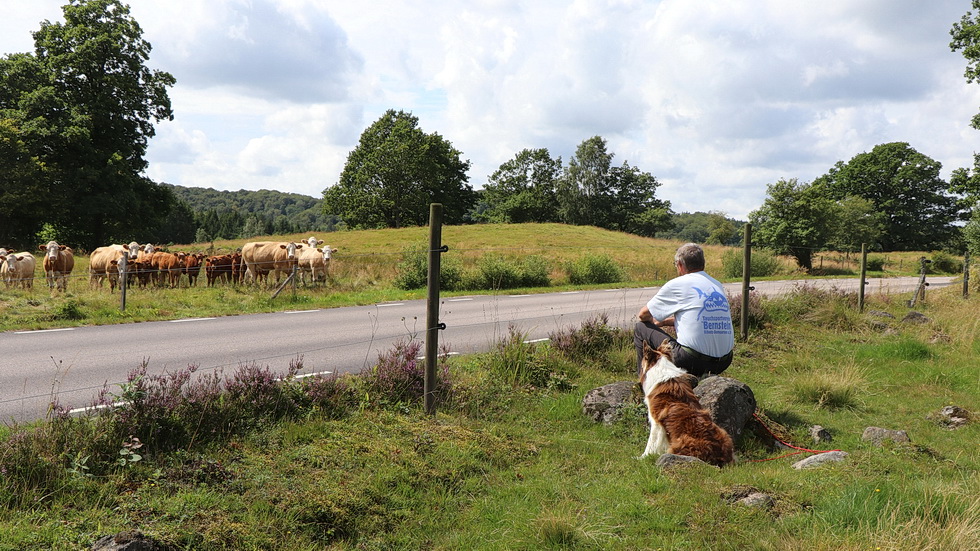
point(510, 462)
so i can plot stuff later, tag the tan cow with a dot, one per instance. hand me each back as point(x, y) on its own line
point(263, 257)
point(103, 264)
point(315, 263)
point(59, 261)
point(18, 269)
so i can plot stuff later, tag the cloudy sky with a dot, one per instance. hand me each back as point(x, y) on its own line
point(715, 98)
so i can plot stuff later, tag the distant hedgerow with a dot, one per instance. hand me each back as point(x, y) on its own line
point(413, 271)
point(495, 272)
point(594, 269)
point(763, 263)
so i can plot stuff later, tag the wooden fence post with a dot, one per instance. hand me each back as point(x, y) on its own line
point(432, 307)
point(746, 277)
point(864, 273)
point(966, 274)
point(122, 281)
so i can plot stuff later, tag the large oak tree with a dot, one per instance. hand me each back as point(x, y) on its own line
point(395, 173)
point(84, 104)
point(904, 186)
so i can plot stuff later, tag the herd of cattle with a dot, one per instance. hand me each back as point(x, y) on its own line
point(145, 264)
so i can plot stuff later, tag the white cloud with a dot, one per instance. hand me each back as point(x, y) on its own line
point(716, 98)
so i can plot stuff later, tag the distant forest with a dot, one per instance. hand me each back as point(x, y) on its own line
point(241, 214)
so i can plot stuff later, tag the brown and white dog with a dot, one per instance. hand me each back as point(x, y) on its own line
point(678, 423)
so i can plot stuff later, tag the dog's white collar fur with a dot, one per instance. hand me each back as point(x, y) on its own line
point(659, 372)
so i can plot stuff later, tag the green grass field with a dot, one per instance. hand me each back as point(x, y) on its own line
point(510, 461)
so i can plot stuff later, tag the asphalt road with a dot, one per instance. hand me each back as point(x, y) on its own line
point(73, 365)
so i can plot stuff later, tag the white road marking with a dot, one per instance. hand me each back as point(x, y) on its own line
point(458, 299)
point(439, 356)
point(299, 311)
point(191, 319)
point(570, 292)
point(43, 331)
point(531, 341)
point(390, 304)
point(519, 296)
point(313, 374)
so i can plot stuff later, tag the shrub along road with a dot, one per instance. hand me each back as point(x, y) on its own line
point(71, 365)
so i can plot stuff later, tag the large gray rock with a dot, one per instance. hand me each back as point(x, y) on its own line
point(605, 404)
point(878, 436)
point(916, 317)
point(730, 402)
point(668, 460)
point(821, 459)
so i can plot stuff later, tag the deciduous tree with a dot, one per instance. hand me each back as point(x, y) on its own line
point(22, 189)
point(966, 38)
point(904, 185)
point(86, 104)
point(794, 220)
point(594, 192)
point(523, 189)
point(395, 172)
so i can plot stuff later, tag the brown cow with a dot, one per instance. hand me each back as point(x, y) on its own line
point(169, 266)
point(237, 268)
point(192, 267)
point(217, 267)
point(59, 261)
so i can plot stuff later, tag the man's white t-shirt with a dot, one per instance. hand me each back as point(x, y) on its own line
point(702, 317)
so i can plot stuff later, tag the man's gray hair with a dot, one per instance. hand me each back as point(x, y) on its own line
point(691, 256)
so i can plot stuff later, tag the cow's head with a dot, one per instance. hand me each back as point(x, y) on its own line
point(51, 249)
point(134, 249)
point(327, 251)
point(291, 249)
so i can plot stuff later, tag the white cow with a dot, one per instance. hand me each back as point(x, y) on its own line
point(315, 263)
point(18, 269)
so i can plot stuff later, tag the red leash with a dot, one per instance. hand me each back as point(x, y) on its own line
point(788, 445)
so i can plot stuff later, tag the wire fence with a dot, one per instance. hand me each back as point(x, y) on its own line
point(140, 275)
